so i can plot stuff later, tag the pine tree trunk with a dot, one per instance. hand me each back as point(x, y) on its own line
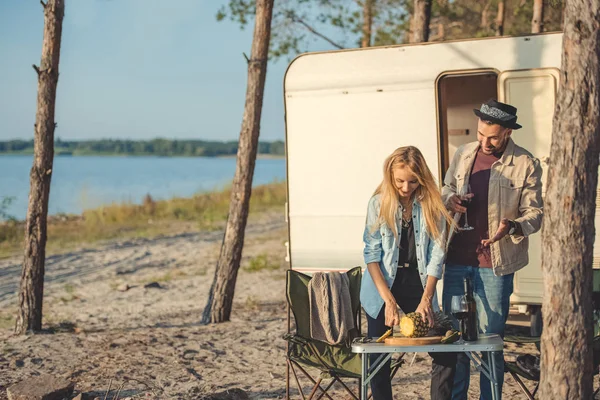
point(500, 19)
point(441, 31)
point(420, 21)
point(537, 22)
point(485, 13)
point(220, 300)
point(367, 23)
point(31, 291)
point(568, 230)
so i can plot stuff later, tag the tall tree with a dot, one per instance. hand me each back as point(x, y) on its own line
point(420, 21)
point(31, 291)
point(568, 230)
point(220, 300)
point(500, 19)
point(367, 23)
point(537, 22)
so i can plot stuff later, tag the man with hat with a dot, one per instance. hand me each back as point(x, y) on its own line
point(501, 182)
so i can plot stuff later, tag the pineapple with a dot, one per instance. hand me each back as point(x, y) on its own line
point(412, 325)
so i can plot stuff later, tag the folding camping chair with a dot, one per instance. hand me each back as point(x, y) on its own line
point(333, 361)
point(517, 372)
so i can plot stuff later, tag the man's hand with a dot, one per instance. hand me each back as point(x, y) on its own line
point(500, 233)
point(454, 203)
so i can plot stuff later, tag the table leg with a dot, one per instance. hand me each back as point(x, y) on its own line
point(365, 368)
point(496, 395)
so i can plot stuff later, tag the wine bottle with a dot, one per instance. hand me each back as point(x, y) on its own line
point(471, 332)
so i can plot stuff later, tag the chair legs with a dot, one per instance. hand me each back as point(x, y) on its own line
point(346, 387)
point(326, 389)
point(314, 390)
point(526, 391)
point(297, 381)
point(316, 384)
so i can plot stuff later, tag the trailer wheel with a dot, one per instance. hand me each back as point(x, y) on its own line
point(536, 320)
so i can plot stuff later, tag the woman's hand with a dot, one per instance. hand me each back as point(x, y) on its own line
point(426, 311)
point(392, 317)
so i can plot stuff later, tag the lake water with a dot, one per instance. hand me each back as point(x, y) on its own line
point(80, 183)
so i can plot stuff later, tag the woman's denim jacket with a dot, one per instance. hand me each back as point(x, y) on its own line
point(381, 246)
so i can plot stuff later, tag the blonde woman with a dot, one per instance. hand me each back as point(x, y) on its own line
point(404, 253)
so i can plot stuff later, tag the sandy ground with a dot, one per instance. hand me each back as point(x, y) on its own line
point(150, 340)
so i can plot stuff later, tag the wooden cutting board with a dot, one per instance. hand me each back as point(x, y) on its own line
point(404, 341)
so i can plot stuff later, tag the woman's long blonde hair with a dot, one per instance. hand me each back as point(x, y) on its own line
point(427, 193)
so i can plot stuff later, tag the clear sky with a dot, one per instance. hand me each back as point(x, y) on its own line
point(135, 69)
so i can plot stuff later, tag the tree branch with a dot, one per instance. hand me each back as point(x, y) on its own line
point(37, 69)
point(43, 4)
point(312, 30)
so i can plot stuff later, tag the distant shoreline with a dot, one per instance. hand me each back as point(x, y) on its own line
point(59, 154)
point(154, 147)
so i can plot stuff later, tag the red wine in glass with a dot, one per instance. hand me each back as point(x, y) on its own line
point(460, 315)
point(465, 201)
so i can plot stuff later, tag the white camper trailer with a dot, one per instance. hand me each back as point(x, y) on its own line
point(347, 110)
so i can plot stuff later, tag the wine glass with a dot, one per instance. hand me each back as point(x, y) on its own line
point(465, 201)
point(459, 309)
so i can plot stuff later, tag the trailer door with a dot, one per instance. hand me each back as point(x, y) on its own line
point(533, 92)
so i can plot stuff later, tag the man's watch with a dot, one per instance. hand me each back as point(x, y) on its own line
point(513, 227)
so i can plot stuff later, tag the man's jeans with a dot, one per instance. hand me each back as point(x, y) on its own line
point(492, 297)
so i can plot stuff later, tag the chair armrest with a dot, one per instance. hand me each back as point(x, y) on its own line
point(292, 338)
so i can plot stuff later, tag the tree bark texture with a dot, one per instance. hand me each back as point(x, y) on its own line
point(218, 308)
point(420, 21)
point(537, 22)
point(367, 23)
point(568, 231)
point(31, 289)
point(500, 19)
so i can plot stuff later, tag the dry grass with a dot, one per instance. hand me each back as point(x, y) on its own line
point(7, 320)
point(205, 211)
point(262, 262)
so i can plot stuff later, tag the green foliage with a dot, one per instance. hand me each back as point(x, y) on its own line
point(464, 19)
point(521, 15)
point(168, 276)
point(71, 295)
point(299, 24)
point(69, 288)
point(260, 263)
point(158, 147)
point(302, 25)
point(7, 321)
point(9, 227)
point(4, 204)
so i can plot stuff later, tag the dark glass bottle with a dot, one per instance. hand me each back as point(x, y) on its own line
point(471, 327)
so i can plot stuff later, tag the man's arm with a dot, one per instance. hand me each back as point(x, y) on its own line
point(531, 205)
point(449, 188)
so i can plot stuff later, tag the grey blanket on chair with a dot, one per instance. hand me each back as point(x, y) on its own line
point(330, 307)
